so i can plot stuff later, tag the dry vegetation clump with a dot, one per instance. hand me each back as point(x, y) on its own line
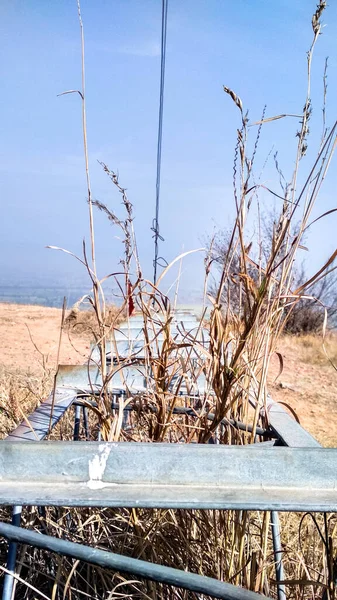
point(83, 322)
point(311, 349)
point(206, 542)
point(20, 394)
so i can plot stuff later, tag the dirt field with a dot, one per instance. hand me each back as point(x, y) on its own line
point(23, 326)
point(307, 383)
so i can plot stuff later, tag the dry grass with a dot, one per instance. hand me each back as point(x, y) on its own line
point(310, 348)
point(20, 394)
point(307, 383)
point(83, 323)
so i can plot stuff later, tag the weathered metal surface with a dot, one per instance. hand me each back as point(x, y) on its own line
point(187, 318)
point(36, 426)
point(287, 429)
point(125, 334)
point(129, 337)
point(132, 566)
point(70, 381)
point(139, 347)
point(137, 333)
point(89, 380)
point(168, 475)
point(132, 378)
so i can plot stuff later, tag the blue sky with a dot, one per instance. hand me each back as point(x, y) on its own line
point(256, 47)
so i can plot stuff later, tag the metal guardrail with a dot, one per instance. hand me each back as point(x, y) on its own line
point(299, 478)
point(203, 476)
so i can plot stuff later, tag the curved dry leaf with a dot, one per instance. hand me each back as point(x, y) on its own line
point(280, 357)
point(328, 212)
point(71, 92)
point(291, 410)
point(74, 255)
point(110, 275)
point(176, 260)
point(211, 299)
point(269, 119)
point(312, 279)
point(66, 252)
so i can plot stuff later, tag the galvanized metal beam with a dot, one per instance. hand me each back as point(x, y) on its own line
point(88, 380)
point(48, 414)
point(168, 476)
point(289, 432)
point(36, 426)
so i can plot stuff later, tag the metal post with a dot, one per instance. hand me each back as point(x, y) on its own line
point(77, 423)
point(86, 423)
point(125, 421)
point(11, 559)
point(275, 528)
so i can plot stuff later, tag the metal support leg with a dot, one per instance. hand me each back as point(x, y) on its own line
point(11, 559)
point(275, 528)
point(125, 421)
point(86, 423)
point(77, 423)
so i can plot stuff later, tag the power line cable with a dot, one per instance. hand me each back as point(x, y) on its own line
point(155, 222)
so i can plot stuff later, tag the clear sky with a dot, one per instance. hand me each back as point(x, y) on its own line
point(256, 47)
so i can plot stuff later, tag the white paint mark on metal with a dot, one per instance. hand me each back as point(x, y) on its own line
point(97, 467)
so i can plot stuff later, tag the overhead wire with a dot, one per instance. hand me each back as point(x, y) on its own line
point(155, 223)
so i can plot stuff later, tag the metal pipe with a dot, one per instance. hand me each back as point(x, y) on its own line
point(133, 566)
point(86, 422)
point(275, 528)
point(77, 423)
point(11, 558)
point(191, 412)
point(125, 419)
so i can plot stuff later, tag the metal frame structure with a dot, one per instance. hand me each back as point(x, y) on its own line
point(263, 476)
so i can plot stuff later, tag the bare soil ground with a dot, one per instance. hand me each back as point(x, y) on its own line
point(308, 384)
point(29, 335)
point(28, 332)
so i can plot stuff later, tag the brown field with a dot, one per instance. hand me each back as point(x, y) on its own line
point(23, 326)
point(308, 384)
